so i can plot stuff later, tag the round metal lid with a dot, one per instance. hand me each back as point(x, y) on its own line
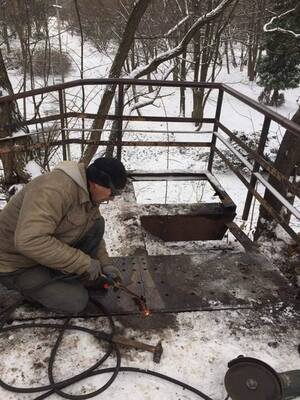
point(251, 379)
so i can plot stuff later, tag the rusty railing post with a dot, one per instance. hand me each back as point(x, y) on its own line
point(256, 166)
point(216, 125)
point(119, 114)
point(62, 122)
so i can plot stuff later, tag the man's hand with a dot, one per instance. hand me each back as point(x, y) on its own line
point(95, 269)
point(112, 272)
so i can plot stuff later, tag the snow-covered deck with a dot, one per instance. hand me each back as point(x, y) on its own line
point(244, 307)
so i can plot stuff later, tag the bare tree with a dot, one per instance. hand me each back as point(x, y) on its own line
point(125, 45)
point(206, 54)
point(10, 121)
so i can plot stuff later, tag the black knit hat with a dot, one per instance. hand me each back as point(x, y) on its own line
point(107, 172)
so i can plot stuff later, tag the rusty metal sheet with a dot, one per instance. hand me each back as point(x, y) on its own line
point(206, 221)
point(187, 283)
point(208, 224)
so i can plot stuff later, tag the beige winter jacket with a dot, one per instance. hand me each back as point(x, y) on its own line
point(40, 223)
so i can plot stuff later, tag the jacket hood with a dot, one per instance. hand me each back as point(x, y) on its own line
point(75, 171)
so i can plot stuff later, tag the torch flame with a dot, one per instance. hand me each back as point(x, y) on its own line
point(147, 312)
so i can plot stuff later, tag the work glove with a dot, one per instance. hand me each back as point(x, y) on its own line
point(95, 270)
point(112, 272)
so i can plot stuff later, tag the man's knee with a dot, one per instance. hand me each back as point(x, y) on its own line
point(32, 278)
point(77, 302)
point(67, 297)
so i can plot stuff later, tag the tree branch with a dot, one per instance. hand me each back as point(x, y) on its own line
point(278, 29)
point(115, 71)
point(168, 55)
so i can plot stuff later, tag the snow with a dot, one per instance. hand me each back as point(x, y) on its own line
point(196, 351)
point(33, 169)
point(3, 92)
point(197, 346)
point(17, 134)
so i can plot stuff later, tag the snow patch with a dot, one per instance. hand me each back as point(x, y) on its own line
point(33, 169)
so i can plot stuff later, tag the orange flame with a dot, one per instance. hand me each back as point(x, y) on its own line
point(147, 312)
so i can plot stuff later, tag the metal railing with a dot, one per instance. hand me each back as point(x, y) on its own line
point(62, 118)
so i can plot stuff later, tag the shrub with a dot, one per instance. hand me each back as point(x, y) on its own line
point(43, 63)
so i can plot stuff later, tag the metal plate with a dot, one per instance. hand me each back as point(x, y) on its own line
point(187, 283)
point(211, 226)
point(206, 221)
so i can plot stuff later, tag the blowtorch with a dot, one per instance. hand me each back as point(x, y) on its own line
point(107, 282)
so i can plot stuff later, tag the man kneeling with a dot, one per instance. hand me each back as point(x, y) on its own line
point(51, 234)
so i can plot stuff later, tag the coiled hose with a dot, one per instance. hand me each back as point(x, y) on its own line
point(57, 387)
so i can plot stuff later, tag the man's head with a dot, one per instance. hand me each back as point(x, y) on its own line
point(106, 178)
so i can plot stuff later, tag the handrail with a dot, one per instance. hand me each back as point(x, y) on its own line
point(286, 123)
point(269, 167)
point(264, 182)
point(119, 116)
point(74, 114)
point(108, 81)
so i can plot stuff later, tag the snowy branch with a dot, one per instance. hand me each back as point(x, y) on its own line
point(278, 29)
point(142, 104)
point(177, 25)
point(168, 55)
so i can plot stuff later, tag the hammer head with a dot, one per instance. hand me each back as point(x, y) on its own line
point(157, 353)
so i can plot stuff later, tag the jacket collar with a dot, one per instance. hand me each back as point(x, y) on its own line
point(77, 172)
point(84, 194)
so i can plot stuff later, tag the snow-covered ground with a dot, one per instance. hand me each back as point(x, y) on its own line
point(196, 350)
point(198, 345)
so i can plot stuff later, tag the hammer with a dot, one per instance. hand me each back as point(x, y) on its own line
point(156, 350)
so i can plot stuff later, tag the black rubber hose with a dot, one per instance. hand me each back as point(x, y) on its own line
point(85, 374)
point(56, 387)
point(66, 382)
point(114, 371)
point(158, 375)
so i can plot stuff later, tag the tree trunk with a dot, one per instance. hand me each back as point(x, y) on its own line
point(287, 160)
point(198, 94)
point(10, 122)
point(243, 56)
point(274, 98)
point(182, 89)
point(227, 57)
point(124, 47)
point(176, 68)
point(5, 31)
point(251, 74)
point(234, 63)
